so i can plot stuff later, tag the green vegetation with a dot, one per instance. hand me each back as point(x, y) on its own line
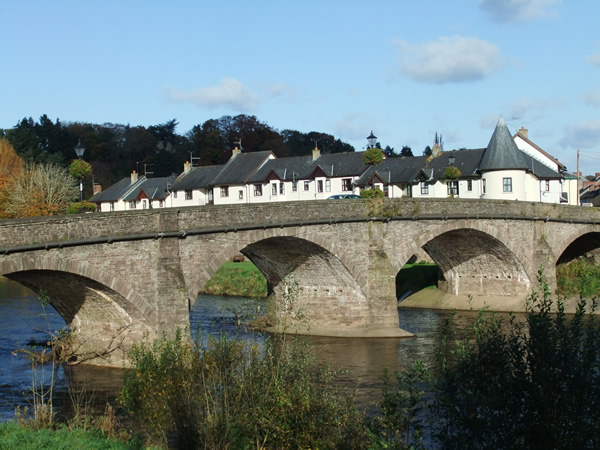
point(524, 384)
point(579, 278)
point(235, 395)
point(415, 277)
point(371, 193)
point(81, 207)
point(242, 279)
point(15, 436)
point(372, 156)
point(452, 173)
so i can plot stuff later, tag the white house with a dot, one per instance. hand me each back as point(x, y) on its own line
point(500, 171)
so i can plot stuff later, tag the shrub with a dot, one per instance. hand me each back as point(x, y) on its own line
point(528, 384)
point(452, 173)
point(234, 394)
point(371, 193)
point(578, 278)
point(81, 207)
point(373, 155)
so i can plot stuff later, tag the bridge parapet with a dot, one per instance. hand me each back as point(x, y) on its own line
point(39, 230)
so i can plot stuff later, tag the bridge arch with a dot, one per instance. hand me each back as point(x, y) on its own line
point(474, 258)
point(101, 311)
point(579, 242)
point(329, 293)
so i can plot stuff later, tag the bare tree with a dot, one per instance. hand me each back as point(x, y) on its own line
point(40, 190)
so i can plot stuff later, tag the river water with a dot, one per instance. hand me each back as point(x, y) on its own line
point(24, 321)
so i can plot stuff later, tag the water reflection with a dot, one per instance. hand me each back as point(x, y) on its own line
point(21, 320)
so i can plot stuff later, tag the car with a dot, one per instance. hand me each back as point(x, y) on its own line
point(341, 196)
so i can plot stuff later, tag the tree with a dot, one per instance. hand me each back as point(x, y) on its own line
point(10, 163)
point(372, 156)
point(80, 169)
point(428, 151)
point(406, 151)
point(40, 190)
point(389, 152)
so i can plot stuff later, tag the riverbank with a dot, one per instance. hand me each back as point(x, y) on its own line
point(238, 279)
point(438, 299)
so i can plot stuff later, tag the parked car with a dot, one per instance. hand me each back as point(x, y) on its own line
point(340, 196)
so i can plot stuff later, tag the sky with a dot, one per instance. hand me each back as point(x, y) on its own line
point(402, 69)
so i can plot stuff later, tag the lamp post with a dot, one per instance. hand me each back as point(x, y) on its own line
point(372, 139)
point(451, 159)
point(79, 150)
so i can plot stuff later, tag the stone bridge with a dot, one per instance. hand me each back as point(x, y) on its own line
point(114, 277)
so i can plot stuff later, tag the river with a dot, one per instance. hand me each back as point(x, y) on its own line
point(23, 321)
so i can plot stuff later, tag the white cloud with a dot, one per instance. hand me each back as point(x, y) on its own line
point(228, 93)
point(583, 135)
point(594, 59)
point(518, 10)
point(449, 60)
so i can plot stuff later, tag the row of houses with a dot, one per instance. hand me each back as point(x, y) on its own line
point(509, 168)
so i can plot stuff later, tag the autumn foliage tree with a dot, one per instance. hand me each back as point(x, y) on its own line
point(10, 166)
point(40, 190)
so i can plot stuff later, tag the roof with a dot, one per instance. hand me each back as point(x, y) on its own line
point(502, 152)
point(154, 188)
point(539, 149)
point(348, 164)
point(116, 191)
point(465, 160)
point(196, 177)
point(393, 170)
point(241, 167)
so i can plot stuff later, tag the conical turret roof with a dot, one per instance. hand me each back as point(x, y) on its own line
point(502, 153)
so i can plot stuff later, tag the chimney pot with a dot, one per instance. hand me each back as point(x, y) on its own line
point(316, 153)
point(134, 177)
point(187, 166)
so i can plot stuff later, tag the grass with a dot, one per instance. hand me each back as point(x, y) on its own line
point(415, 277)
point(15, 436)
point(241, 279)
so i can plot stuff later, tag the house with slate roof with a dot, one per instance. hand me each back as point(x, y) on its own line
point(134, 193)
point(500, 171)
point(508, 173)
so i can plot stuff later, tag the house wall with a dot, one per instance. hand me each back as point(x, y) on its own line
point(533, 152)
point(494, 185)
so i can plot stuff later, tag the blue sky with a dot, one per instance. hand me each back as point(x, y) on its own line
point(402, 69)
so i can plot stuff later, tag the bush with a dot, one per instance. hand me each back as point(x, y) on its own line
point(531, 384)
point(236, 395)
point(371, 193)
point(81, 207)
point(578, 278)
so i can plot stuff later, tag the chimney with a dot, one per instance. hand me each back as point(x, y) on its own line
point(436, 150)
point(236, 151)
point(523, 132)
point(316, 153)
point(97, 188)
point(134, 177)
point(187, 166)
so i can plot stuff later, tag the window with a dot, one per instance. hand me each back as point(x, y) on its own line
point(257, 190)
point(424, 189)
point(174, 194)
point(132, 205)
point(224, 191)
point(274, 189)
point(386, 190)
point(306, 185)
point(452, 188)
point(144, 206)
point(547, 185)
point(483, 185)
point(507, 184)
point(294, 186)
point(469, 185)
point(188, 195)
point(161, 203)
point(112, 206)
point(282, 188)
point(327, 185)
point(346, 184)
point(320, 185)
point(241, 194)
